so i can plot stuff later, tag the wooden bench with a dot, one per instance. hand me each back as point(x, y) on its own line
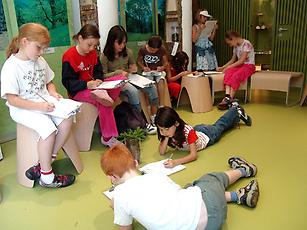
point(278, 81)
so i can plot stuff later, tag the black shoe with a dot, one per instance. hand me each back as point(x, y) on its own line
point(243, 116)
point(224, 104)
point(34, 173)
point(59, 181)
point(239, 162)
point(249, 194)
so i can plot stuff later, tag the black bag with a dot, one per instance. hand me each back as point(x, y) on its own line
point(128, 117)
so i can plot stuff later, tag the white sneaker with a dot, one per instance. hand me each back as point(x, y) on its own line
point(111, 142)
point(151, 129)
point(152, 118)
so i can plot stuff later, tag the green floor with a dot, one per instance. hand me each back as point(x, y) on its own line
point(276, 143)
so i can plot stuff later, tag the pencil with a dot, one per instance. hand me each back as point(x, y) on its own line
point(170, 157)
point(41, 97)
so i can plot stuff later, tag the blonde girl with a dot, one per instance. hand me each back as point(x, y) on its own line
point(26, 84)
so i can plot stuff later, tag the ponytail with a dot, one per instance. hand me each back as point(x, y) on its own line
point(13, 47)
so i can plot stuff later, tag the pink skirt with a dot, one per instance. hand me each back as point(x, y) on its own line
point(235, 76)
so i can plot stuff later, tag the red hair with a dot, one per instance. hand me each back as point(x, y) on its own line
point(117, 160)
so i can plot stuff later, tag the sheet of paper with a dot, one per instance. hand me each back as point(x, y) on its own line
point(108, 194)
point(195, 75)
point(64, 108)
point(209, 27)
point(158, 167)
point(139, 80)
point(111, 84)
point(211, 72)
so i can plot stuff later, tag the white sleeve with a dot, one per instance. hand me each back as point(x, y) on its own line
point(121, 216)
point(9, 82)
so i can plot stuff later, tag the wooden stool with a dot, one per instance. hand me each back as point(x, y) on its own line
point(166, 100)
point(217, 83)
point(304, 96)
point(278, 81)
point(27, 154)
point(84, 126)
point(197, 89)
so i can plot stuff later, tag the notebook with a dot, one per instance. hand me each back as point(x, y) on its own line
point(111, 84)
point(155, 167)
point(64, 108)
point(211, 72)
point(195, 75)
point(152, 73)
point(209, 27)
point(140, 81)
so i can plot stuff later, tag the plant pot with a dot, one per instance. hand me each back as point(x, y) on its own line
point(134, 147)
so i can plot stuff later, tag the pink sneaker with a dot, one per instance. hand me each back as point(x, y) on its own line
point(111, 142)
point(102, 97)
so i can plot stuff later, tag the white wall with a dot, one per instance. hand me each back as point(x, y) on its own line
point(107, 17)
point(187, 28)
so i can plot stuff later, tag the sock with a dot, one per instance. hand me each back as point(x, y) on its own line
point(152, 118)
point(233, 197)
point(243, 172)
point(47, 176)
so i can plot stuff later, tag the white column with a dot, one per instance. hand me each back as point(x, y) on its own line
point(107, 17)
point(187, 29)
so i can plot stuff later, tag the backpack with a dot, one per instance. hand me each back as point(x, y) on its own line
point(128, 117)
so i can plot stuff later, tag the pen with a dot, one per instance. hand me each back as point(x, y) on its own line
point(41, 97)
point(170, 157)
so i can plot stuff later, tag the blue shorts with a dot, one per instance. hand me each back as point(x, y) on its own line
point(213, 186)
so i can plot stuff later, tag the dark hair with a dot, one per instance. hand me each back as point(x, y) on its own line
point(230, 34)
point(87, 31)
point(178, 61)
point(155, 42)
point(167, 117)
point(115, 33)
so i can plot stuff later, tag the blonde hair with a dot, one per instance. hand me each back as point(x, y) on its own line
point(33, 32)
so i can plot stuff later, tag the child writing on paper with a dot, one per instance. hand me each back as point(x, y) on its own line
point(240, 67)
point(205, 54)
point(157, 202)
point(118, 59)
point(26, 84)
point(174, 132)
point(152, 59)
point(82, 73)
point(178, 69)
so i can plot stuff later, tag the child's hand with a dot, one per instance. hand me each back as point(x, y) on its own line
point(160, 68)
point(124, 73)
point(56, 95)
point(170, 163)
point(219, 69)
point(93, 84)
point(46, 106)
point(146, 69)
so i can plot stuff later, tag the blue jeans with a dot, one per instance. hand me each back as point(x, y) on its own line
point(132, 93)
point(224, 123)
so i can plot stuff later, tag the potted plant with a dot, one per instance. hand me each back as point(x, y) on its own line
point(132, 138)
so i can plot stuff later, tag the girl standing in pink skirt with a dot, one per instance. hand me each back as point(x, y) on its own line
point(240, 67)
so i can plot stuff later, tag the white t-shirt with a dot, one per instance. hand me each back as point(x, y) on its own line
point(157, 202)
point(246, 46)
point(191, 136)
point(25, 78)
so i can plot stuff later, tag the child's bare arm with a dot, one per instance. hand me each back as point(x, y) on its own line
point(19, 102)
point(163, 146)
point(52, 90)
point(240, 61)
point(191, 157)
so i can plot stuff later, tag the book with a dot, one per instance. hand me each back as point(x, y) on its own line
point(195, 75)
point(111, 84)
point(209, 27)
point(152, 73)
point(64, 108)
point(155, 167)
point(139, 80)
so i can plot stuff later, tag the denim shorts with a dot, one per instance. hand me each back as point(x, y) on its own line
point(213, 187)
